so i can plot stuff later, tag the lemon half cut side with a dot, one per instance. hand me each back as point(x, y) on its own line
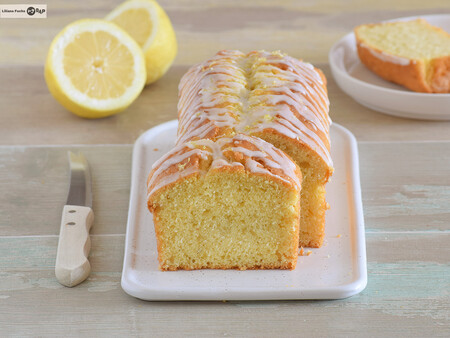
point(147, 22)
point(94, 68)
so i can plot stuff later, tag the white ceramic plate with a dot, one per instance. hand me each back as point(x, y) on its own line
point(373, 92)
point(337, 270)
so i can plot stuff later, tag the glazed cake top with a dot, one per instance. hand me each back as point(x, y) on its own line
point(240, 153)
point(235, 93)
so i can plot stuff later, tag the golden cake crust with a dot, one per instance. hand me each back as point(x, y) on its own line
point(440, 79)
point(242, 153)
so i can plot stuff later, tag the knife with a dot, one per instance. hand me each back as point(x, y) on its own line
point(72, 265)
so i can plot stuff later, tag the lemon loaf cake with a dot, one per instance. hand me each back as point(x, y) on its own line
point(277, 98)
point(232, 203)
point(412, 53)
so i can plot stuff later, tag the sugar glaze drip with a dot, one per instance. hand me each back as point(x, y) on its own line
point(258, 157)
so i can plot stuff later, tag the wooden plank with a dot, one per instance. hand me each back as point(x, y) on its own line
point(35, 183)
point(38, 253)
point(405, 187)
point(303, 30)
point(26, 119)
point(407, 294)
point(306, 29)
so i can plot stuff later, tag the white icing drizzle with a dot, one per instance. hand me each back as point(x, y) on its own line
point(174, 157)
point(383, 56)
point(252, 93)
point(265, 159)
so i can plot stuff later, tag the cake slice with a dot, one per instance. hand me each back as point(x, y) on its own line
point(233, 203)
point(275, 97)
point(413, 54)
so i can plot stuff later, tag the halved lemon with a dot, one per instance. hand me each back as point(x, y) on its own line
point(150, 26)
point(94, 68)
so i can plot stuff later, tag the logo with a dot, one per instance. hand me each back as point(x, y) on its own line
point(23, 11)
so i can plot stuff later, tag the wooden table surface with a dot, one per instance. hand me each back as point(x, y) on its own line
point(405, 178)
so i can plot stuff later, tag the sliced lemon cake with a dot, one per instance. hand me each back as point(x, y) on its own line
point(277, 98)
point(412, 53)
point(232, 203)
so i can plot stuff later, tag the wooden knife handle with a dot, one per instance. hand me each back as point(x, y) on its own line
point(72, 265)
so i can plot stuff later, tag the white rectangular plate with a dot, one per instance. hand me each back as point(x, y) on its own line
point(337, 270)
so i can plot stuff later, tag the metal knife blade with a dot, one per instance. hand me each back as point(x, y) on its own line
point(80, 190)
point(72, 264)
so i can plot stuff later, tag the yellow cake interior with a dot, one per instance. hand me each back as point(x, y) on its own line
point(313, 204)
point(414, 39)
point(227, 220)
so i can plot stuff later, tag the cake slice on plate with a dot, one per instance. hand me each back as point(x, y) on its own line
point(233, 203)
point(413, 54)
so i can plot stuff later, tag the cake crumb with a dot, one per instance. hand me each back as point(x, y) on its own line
point(339, 236)
point(155, 149)
point(309, 252)
point(301, 251)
